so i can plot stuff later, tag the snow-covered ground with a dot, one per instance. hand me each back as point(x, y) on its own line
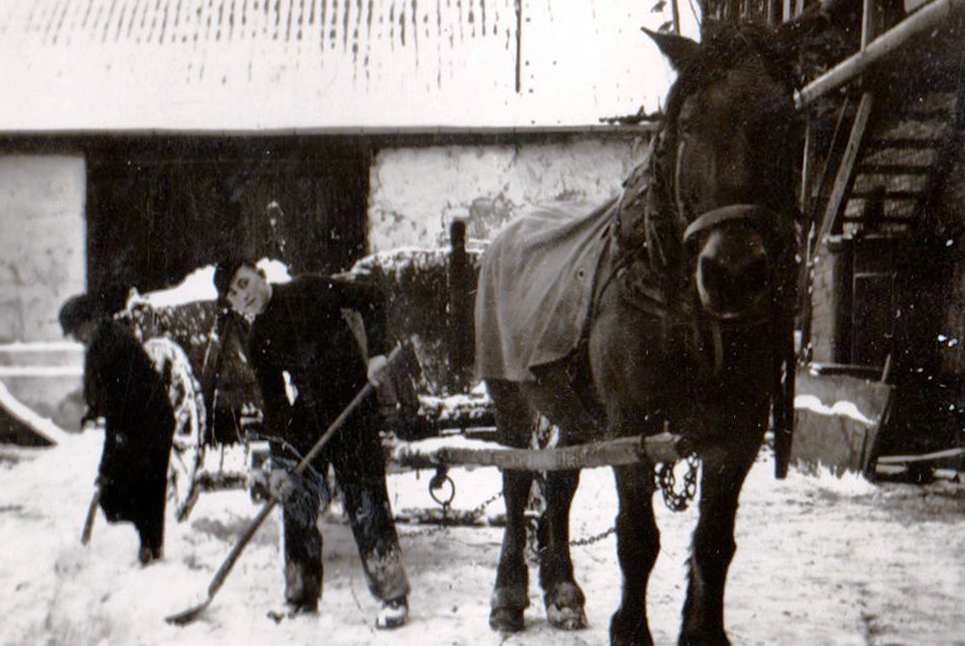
point(821, 561)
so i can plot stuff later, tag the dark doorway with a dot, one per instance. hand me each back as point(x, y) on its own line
point(159, 208)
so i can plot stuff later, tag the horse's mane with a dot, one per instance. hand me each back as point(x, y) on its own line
point(722, 48)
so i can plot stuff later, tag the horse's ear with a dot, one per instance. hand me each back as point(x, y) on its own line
point(678, 49)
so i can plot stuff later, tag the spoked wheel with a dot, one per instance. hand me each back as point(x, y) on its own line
point(187, 449)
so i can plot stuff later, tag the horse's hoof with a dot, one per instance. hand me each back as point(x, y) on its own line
point(566, 618)
point(506, 620)
point(719, 639)
point(629, 630)
point(564, 607)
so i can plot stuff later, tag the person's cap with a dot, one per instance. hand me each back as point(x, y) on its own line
point(76, 311)
point(225, 270)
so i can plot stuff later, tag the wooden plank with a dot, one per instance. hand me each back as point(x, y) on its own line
point(926, 457)
point(893, 169)
point(846, 170)
point(665, 447)
point(903, 143)
point(893, 195)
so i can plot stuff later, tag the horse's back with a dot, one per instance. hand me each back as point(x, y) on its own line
point(535, 288)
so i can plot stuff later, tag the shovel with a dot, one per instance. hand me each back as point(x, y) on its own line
point(187, 616)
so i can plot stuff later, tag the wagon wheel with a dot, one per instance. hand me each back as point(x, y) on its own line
point(187, 449)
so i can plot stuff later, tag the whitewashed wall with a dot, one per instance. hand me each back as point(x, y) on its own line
point(42, 262)
point(416, 193)
point(42, 242)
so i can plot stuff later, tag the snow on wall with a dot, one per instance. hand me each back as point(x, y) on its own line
point(416, 193)
point(40, 425)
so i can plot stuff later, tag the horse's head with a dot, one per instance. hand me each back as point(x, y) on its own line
point(724, 169)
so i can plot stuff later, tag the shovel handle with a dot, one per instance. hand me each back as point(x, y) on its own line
point(219, 578)
point(91, 513)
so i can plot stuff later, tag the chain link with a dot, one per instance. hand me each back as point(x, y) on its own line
point(664, 477)
point(667, 481)
point(444, 523)
point(590, 540)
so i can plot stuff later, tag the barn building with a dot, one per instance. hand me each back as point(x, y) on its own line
point(146, 138)
point(143, 139)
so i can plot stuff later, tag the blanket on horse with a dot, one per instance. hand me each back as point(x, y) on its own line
point(536, 288)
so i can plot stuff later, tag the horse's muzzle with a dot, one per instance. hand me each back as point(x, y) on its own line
point(734, 250)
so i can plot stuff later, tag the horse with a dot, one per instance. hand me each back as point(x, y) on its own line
point(684, 322)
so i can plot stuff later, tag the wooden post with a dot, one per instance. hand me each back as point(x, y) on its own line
point(804, 203)
point(845, 176)
point(867, 22)
point(461, 298)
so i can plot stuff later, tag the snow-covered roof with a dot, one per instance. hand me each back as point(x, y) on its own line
point(302, 65)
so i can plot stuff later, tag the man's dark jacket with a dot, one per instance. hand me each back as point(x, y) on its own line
point(307, 358)
point(121, 385)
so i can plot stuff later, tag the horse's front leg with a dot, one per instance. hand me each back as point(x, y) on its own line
point(713, 545)
point(638, 543)
point(563, 598)
point(514, 420)
point(511, 591)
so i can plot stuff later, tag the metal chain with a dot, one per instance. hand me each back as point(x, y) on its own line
point(590, 540)
point(666, 480)
point(445, 525)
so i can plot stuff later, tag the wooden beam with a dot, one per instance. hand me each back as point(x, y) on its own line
point(664, 447)
point(894, 169)
point(846, 170)
point(903, 143)
point(934, 15)
point(927, 457)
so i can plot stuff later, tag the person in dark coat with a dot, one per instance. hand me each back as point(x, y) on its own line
point(122, 386)
point(311, 360)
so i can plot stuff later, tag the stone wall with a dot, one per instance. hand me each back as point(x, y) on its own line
point(42, 262)
point(42, 242)
point(416, 193)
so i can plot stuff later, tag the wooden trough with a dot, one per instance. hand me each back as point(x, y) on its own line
point(837, 420)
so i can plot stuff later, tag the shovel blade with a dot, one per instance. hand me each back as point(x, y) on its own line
point(187, 616)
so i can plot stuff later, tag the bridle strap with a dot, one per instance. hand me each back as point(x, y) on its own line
point(759, 217)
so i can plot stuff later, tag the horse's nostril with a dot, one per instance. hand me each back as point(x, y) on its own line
point(752, 280)
point(726, 289)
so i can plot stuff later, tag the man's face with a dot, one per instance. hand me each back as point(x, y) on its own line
point(249, 291)
point(84, 333)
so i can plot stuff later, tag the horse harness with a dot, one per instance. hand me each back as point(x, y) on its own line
point(652, 275)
